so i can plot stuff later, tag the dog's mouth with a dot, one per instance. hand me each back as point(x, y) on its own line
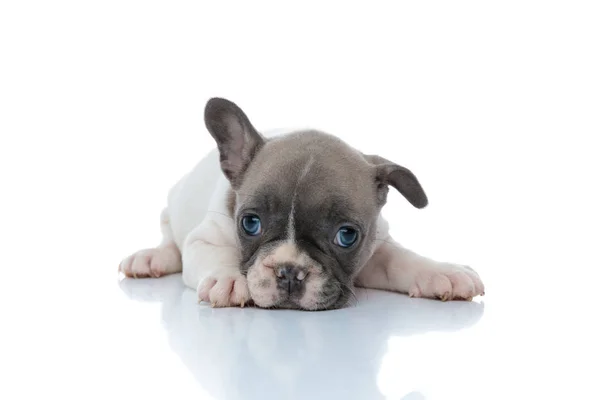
point(316, 291)
point(328, 302)
point(291, 304)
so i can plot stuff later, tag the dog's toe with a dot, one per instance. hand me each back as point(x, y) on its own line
point(447, 282)
point(152, 262)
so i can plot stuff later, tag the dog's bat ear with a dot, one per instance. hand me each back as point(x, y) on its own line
point(236, 138)
point(402, 179)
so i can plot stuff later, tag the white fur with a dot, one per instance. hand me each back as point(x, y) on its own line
point(393, 267)
point(195, 224)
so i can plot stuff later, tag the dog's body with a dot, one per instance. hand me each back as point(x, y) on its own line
point(290, 220)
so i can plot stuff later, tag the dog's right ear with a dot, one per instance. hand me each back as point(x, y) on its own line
point(236, 138)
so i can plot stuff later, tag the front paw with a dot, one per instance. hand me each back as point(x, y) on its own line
point(228, 289)
point(447, 282)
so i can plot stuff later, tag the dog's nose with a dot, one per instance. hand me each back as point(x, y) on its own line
point(290, 277)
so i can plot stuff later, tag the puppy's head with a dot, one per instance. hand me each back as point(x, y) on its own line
point(305, 206)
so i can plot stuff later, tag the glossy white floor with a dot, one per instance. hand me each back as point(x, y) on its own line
point(494, 106)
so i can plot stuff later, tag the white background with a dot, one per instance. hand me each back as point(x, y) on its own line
point(494, 106)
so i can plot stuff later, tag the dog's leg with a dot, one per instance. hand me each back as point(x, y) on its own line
point(395, 268)
point(211, 261)
point(155, 262)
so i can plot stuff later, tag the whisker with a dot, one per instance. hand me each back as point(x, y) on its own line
point(353, 294)
point(350, 290)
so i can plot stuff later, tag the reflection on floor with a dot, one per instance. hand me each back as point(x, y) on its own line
point(278, 354)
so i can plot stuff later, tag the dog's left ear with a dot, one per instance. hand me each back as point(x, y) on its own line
point(402, 179)
point(237, 140)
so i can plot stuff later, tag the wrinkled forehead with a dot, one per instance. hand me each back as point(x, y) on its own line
point(318, 170)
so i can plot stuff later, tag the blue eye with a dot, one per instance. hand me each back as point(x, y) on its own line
point(251, 225)
point(346, 236)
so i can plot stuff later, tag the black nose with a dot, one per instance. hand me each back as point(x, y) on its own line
point(290, 278)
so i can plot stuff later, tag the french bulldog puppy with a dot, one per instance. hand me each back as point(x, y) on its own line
point(290, 220)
